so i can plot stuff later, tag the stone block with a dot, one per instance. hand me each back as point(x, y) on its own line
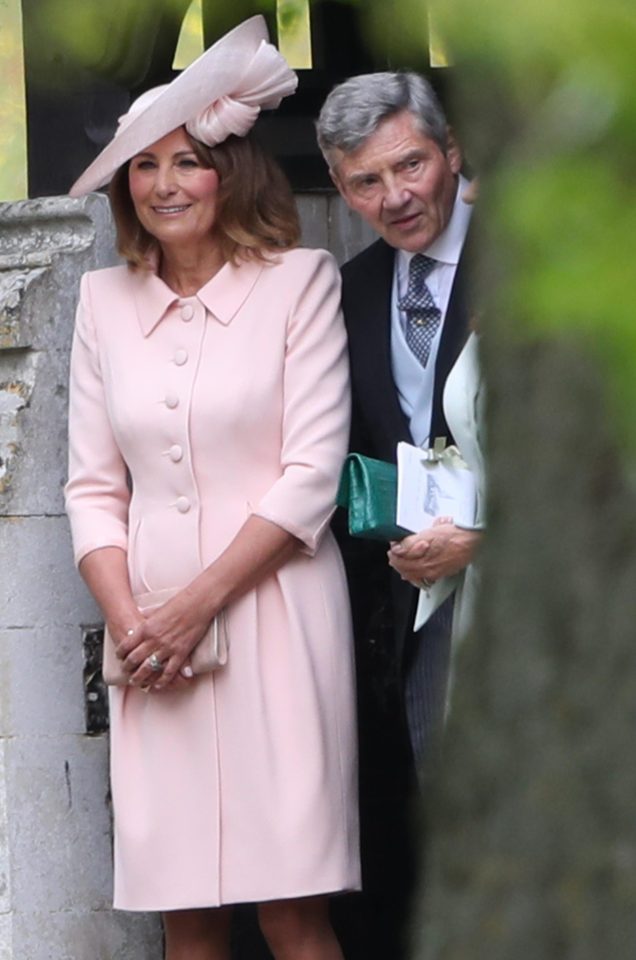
point(6, 937)
point(17, 380)
point(5, 865)
point(55, 824)
point(41, 681)
point(48, 226)
point(39, 584)
point(38, 302)
point(85, 936)
point(59, 823)
point(33, 439)
point(45, 246)
point(16, 280)
point(5, 693)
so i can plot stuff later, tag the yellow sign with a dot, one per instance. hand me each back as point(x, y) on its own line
point(190, 43)
point(13, 136)
point(438, 53)
point(294, 32)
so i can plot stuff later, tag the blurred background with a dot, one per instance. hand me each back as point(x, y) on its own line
point(72, 69)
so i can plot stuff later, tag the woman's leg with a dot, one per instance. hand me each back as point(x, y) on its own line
point(299, 929)
point(197, 934)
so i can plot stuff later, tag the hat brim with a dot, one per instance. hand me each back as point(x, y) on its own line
point(211, 76)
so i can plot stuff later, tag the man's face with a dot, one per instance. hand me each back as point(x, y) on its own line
point(400, 182)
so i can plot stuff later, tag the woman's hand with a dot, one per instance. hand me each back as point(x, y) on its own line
point(440, 551)
point(164, 636)
point(169, 634)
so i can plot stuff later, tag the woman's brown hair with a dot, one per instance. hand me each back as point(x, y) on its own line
point(256, 213)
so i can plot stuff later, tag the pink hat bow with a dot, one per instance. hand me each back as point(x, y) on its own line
point(263, 85)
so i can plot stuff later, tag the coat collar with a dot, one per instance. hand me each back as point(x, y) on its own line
point(222, 296)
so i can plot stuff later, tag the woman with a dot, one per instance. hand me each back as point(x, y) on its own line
point(208, 423)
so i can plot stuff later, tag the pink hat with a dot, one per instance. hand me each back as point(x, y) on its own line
point(219, 94)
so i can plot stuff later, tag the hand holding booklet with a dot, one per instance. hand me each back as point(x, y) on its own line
point(433, 483)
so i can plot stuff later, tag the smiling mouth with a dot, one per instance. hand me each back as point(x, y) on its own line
point(171, 209)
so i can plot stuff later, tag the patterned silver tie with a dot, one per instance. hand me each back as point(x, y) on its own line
point(422, 314)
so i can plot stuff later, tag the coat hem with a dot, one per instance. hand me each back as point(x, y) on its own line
point(207, 905)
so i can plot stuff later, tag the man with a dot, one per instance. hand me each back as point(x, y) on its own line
point(395, 161)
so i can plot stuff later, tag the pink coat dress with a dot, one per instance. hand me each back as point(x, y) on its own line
point(225, 404)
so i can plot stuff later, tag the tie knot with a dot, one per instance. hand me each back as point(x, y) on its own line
point(418, 296)
point(419, 269)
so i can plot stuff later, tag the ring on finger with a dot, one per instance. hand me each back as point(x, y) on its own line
point(155, 663)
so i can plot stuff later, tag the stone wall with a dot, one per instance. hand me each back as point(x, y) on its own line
point(55, 828)
point(55, 833)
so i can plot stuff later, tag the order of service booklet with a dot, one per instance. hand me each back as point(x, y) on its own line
point(433, 483)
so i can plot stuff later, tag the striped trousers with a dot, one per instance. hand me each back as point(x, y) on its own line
point(426, 688)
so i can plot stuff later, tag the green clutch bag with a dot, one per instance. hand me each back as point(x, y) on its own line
point(368, 491)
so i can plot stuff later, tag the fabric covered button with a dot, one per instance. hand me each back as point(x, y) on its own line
point(175, 452)
point(187, 312)
point(180, 357)
point(183, 504)
point(172, 401)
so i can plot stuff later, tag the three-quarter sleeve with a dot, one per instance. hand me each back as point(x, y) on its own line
point(316, 414)
point(97, 494)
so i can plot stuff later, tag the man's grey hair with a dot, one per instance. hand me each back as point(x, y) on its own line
point(354, 110)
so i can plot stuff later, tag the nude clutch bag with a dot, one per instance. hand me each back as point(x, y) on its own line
point(209, 654)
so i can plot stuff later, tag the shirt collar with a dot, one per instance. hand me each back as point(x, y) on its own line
point(447, 247)
point(222, 296)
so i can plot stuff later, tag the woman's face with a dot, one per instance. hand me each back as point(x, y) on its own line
point(174, 196)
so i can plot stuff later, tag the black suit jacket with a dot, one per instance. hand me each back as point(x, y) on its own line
point(378, 422)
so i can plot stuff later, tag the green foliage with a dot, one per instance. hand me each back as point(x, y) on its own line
point(567, 278)
point(118, 38)
point(114, 39)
